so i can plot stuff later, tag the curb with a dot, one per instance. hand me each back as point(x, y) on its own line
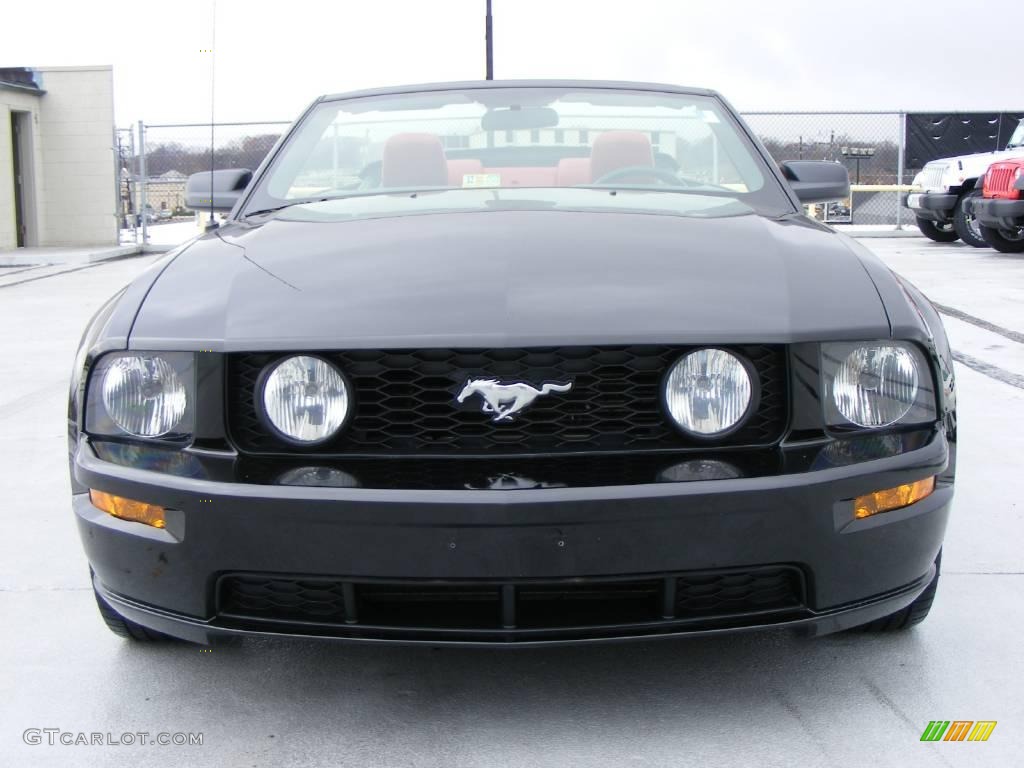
point(39, 257)
point(869, 233)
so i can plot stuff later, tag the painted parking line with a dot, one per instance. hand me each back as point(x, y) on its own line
point(48, 275)
point(992, 371)
point(8, 270)
point(1016, 336)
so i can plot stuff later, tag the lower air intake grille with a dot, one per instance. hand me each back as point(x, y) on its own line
point(495, 609)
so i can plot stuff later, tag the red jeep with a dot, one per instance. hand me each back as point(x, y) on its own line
point(1000, 211)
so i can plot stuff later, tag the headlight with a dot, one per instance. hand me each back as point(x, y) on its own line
point(877, 384)
point(142, 394)
point(305, 399)
point(708, 392)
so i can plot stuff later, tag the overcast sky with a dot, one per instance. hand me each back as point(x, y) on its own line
point(272, 58)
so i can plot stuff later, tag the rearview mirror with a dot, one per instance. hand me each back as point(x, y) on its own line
point(227, 187)
point(508, 119)
point(817, 181)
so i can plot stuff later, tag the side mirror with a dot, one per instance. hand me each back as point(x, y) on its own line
point(227, 187)
point(817, 181)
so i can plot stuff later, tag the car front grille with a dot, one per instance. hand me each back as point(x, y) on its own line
point(931, 177)
point(515, 610)
point(404, 401)
point(999, 180)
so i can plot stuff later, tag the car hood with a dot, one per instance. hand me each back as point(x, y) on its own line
point(511, 278)
point(978, 163)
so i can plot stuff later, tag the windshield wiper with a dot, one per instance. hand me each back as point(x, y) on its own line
point(279, 207)
point(412, 192)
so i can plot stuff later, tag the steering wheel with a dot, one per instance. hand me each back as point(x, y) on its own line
point(661, 174)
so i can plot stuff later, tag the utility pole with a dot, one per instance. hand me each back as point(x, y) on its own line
point(489, 40)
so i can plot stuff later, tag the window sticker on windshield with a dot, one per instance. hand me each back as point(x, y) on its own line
point(709, 116)
point(481, 180)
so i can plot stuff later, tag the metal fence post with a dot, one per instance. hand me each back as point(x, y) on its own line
point(118, 207)
point(143, 180)
point(133, 186)
point(901, 148)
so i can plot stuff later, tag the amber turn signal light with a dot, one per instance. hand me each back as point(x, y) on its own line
point(892, 498)
point(128, 509)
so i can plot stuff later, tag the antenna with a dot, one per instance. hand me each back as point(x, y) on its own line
point(489, 41)
point(212, 223)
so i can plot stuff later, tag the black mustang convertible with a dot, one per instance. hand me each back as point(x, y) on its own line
point(514, 363)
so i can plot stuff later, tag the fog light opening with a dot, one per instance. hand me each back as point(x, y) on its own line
point(892, 498)
point(128, 509)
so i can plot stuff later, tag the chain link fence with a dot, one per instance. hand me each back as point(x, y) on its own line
point(870, 144)
point(168, 154)
point(126, 178)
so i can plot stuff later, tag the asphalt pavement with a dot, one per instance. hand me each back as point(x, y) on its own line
point(764, 699)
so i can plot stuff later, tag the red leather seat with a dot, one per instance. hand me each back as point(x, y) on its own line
point(459, 167)
point(613, 150)
point(414, 160)
point(573, 171)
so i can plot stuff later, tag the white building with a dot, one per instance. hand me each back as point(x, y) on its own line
point(57, 165)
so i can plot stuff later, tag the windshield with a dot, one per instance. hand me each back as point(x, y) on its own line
point(1017, 139)
point(604, 140)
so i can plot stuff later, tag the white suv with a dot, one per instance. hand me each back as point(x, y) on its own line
point(945, 187)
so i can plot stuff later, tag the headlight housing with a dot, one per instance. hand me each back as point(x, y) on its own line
point(148, 395)
point(304, 399)
point(709, 392)
point(877, 384)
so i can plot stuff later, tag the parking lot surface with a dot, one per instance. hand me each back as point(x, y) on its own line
point(764, 699)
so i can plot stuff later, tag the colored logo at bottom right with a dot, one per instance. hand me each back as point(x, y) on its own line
point(958, 730)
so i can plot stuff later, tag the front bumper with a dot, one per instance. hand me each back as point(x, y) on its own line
point(933, 206)
point(574, 544)
point(999, 213)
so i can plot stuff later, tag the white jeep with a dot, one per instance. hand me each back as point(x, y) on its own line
point(945, 187)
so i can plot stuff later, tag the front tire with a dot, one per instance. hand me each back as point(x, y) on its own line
point(126, 628)
point(966, 224)
point(940, 233)
point(1003, 241)
point(915, 613)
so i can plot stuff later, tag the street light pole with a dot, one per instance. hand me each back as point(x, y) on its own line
point(857, 154)
point(489, 41)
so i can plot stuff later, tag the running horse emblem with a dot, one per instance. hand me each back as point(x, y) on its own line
point(506, 400)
